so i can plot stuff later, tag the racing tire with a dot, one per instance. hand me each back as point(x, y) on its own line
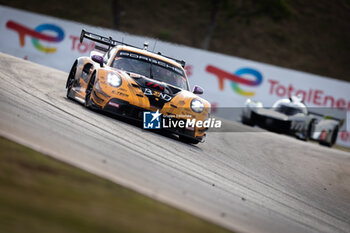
point(247, 121)
point(310, 129)
point(70, 80)
point(89, 90)
point(333, 138)
point(188, 140)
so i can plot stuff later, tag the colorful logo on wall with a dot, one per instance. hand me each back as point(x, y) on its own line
point(37, 35)
point(237, 79)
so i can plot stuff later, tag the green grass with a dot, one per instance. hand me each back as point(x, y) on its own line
point(40, 194)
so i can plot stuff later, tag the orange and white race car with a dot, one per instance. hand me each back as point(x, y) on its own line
point(132, 82)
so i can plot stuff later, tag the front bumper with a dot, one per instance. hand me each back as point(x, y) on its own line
point(125, 109)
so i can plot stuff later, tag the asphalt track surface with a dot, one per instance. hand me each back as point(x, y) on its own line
point(248, 180)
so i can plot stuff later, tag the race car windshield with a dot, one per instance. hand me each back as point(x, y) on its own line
point(152, 68)
point(289, 111)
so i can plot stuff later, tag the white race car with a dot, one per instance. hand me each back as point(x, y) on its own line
point(291, 116)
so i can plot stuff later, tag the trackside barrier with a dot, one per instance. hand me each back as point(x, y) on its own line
point(228, 81)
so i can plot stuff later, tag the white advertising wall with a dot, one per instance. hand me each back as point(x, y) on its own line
point(228, 81)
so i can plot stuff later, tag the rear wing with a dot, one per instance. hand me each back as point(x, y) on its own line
point(102, 40)
point(111, 43)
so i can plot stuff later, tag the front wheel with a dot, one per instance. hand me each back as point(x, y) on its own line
point(70, 80)
point(89, 90)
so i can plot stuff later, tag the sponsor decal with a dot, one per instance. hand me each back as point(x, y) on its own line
point(119, 93)
point(237, 79)
point(150, 60)
point(189, 70)
point(37, 35)
point(84, 47)
point(157, 94)
point(155, 85)
point(114, 104)
point(345, 136)
point(316, 97)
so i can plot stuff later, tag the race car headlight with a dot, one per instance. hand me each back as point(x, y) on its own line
point(197, 105)
point(114, 80)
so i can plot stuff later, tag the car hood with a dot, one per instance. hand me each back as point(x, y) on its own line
point(165, 95)
point(155, 85)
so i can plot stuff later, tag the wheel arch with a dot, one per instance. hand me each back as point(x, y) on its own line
point(94, 72)
point(75, 64)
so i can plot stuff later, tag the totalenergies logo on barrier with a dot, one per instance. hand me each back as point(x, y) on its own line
point(237, 78)
point(37, 35)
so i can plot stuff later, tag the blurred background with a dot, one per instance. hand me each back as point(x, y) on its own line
point(311, 36)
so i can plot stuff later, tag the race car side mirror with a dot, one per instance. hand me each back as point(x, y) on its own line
point(98, 59)
point(198, 90)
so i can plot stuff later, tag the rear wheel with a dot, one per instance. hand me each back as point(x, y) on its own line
point(333, 138)
point(89, 90)
point(70, 80)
